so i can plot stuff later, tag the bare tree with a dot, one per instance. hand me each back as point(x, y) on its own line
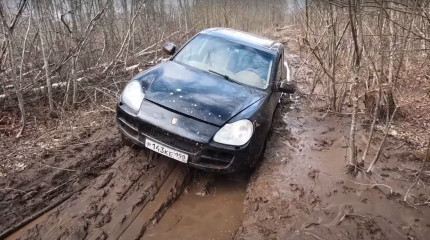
point(9, 39)
point(63, 41)
point(353, 12)
point(42, 37)
point(382, 40)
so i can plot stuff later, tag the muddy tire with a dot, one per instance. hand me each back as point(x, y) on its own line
point(261, 156)
point(244, 174)
point(126, 141)
point(289, 87)
point(241, 175)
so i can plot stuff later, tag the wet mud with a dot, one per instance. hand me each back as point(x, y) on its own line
point(53, 175)
point(302, 191)
point(128, 197)
point(210, 208)
point(108, 206)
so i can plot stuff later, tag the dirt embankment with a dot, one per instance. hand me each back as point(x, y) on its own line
point(301, 191)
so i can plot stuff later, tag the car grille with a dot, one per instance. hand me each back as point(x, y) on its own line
point(128, 124)
point(217, 156)
point(170, 139)
point(210, 157)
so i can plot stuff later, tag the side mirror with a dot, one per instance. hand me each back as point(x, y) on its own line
point(169, 48)
point(287, 87)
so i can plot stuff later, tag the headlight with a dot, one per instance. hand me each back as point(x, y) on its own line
point(235, 134)
point(133, 95)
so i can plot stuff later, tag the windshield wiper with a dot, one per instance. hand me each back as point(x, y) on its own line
point(230, 79)
point(220, 74)
point(225, 76)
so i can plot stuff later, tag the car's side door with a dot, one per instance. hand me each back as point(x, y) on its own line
point(274, 94)
point(280, 75)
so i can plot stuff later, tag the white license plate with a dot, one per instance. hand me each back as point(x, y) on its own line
point(166, 151)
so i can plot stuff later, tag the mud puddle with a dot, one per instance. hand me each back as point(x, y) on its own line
point(301, 189)
point(210, 208)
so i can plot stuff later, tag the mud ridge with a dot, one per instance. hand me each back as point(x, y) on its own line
point(57, 176)
point(113, 200)
point(155, 209)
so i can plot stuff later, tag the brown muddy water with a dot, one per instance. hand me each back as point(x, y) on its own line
point(211, 212)
point(207, 207)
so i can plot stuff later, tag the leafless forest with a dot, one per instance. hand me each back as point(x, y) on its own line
point(369, 58)
point(362, 105)
point(58, 54)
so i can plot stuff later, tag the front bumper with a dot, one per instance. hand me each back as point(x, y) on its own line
point(189, 136)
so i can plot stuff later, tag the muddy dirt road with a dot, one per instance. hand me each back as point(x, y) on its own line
point(131, 197)
point(110, 203)
point(126, 193)
point(89, 186)
point(211, 212)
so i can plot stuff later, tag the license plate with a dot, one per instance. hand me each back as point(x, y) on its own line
point(166, 151)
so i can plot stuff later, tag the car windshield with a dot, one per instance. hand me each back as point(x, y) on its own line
point(234, 61)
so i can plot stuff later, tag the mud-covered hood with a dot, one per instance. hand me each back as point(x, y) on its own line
point(196, 93)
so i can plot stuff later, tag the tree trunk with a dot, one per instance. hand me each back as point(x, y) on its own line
point(391, 46)
point(44, 55)
point(353, 12)
point(382, 144)
point(75, 84)
point(16, 81)
point(387, 105)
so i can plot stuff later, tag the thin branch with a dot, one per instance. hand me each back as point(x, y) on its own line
point(381, 146)
point(419, 173)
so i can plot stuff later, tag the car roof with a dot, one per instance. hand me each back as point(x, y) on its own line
point(245, 38)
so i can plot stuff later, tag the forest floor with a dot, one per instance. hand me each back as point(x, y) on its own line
point(71, 178)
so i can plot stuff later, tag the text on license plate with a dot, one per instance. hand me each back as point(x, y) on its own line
point(156, 147)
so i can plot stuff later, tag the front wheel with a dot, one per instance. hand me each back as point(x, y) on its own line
point(126, 141)
point(241, 175)
point(263, 150)
point(245, 173)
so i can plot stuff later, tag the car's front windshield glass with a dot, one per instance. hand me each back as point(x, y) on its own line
point(238, 62)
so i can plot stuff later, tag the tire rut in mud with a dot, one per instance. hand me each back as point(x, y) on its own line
point(119, 192)
point(111, 202)
point(155, 209)
point(52, 176)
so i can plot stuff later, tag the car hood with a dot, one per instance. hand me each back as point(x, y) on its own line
point(198, 94)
